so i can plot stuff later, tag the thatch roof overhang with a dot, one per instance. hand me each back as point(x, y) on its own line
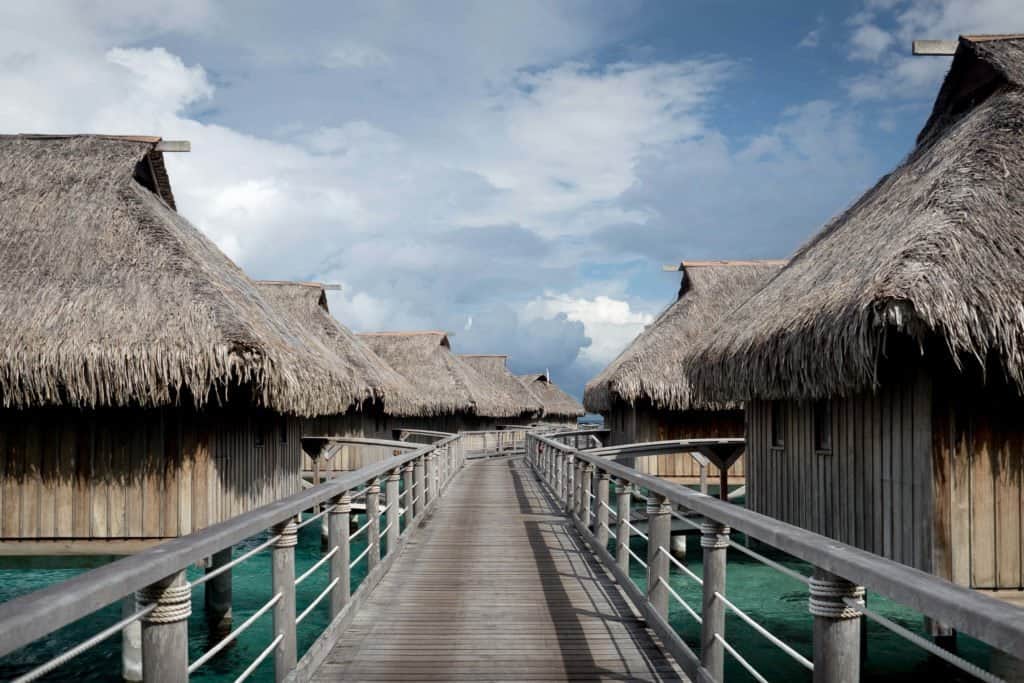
point(651, 367)
point(933, 254)
point(494, 369)
point(304, 306)
point(441, 379)
point(556, 402)
point(108, 297)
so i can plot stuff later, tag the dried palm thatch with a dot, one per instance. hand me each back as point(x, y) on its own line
point(557, 403)
point(304, 306)
point(493, 369)
point(933, 252)
point(445, 383)
point(109, 298)
point(651, 367)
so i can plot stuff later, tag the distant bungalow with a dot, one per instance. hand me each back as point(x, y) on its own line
point(494, 368)
point(885, 363)
point(559, 407)
point(456, 397)
point(147, 387)
point(643, 396)
point(386, 396)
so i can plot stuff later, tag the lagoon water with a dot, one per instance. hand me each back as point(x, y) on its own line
point(772, 599)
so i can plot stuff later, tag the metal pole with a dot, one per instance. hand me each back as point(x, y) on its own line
point(836, 628)
point(601, 525)
point(624, 493)
point(373, 531)
point(418, 487)
point(714, 539)
point(392, 514)
point(337, 537)
point(659, 532)
point(283, 577)
point(165, 629)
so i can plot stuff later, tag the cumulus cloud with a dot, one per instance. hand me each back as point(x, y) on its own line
point(882, 32)
point(456, 161)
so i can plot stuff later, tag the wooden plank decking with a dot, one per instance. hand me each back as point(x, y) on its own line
point(496, 586)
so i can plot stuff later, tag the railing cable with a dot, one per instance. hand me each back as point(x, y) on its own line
point(230, 638)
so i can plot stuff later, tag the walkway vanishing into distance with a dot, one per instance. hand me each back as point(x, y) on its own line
point(497, 586)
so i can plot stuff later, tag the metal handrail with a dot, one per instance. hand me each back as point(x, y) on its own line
point(32, 616)
point(230, 638)
point(988, 619)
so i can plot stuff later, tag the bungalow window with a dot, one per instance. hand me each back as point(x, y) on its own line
point(778, 439)
point(823, 426)
point(282, 426)
point(258, 437)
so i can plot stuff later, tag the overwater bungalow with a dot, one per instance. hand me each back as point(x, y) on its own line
point(884, 365)
point(494, 369)
point(147, 387)
point(642, 395)
point(384, 395)
point(559, 407)
point(456, 396)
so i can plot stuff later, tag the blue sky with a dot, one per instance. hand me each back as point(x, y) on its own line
point(516, 173)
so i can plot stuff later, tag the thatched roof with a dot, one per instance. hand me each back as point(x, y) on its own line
point(304, 306)
point(651, 366)
point(933, 252)
point(556, 402)
point(108, 297)
point(494, 369)
point(441, 379)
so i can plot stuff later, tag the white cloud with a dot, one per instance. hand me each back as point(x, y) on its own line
point(884, 29)
point(354, 55)
point(610, 323)
point(812, 39)
point(869, 42)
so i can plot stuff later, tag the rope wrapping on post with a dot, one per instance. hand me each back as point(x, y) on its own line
point(172, 603)
point(835, 598)
point(288, 533)
point(714, 535)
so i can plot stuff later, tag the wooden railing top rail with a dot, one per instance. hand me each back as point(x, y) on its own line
point(422, 432)
point(993, 621)
point(32, 616)
point(690, 446)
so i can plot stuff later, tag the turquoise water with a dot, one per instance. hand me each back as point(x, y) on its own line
point(251, 590)
point(771, 598)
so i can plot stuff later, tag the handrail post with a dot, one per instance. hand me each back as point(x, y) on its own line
point(391, 517)
point(283, 577)
point(428, 479)
point(601, 523)
point(714, 539)
point(419, 490)
point(165, 629)
point(624, 493)
point(586, 473)
point(337, 537)
point(578, 488)
point(836, 628)
point(373, 531)
point(659, 534)
point(570, 484)
point(407, 475)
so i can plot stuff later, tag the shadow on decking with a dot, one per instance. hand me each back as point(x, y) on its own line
point(571, 632)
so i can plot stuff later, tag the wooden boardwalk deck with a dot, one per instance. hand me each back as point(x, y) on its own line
point(497, 586)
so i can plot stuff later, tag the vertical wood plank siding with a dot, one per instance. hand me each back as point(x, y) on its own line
point(137, 474)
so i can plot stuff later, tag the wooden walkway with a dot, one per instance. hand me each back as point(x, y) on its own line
point(496, 586)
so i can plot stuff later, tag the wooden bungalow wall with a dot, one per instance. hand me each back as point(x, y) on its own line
point(978, 459)
point(138, 474)
point(642, 422)
point(872, 490)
